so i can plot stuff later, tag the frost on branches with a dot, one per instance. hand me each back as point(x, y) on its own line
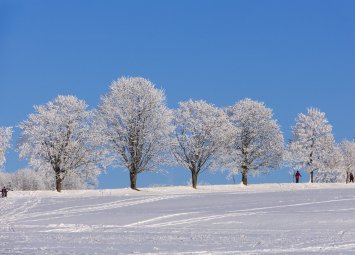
point(57, 137)
point(5, 138)
point(26, 179)
point(201, 133)
point(135, 125)
point(347, 166)
point(257, 144)
point(312, 144)
point(333, 170)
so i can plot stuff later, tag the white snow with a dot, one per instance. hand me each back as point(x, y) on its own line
point(230, 219)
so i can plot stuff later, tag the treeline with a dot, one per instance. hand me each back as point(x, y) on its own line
point(68, 146)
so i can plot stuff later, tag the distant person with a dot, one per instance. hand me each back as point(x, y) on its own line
point(297, 176)
point(351, 177)
point(4, 192)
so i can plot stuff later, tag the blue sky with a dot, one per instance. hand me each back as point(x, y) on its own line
point(289, 54)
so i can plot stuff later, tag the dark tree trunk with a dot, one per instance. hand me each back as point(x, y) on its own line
point(310, 163)
point(133, 178)
point(347, 177)
point(58, 183)
point(245, 175)
point(58, 178)
point(194, 179)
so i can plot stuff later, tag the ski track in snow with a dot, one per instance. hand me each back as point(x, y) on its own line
point(221, 216)
point(87, 209)
point(226, 222)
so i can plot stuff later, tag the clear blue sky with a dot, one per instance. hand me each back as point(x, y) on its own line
point(289, 54)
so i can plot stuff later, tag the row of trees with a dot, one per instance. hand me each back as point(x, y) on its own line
point(133, 128)
point(28, 179)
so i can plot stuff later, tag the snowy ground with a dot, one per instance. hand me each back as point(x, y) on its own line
point(258, 219)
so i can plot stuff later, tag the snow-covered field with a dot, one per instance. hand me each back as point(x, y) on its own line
point(258, 219)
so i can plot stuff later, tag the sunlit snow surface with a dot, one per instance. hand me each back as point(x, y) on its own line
point(258, 219)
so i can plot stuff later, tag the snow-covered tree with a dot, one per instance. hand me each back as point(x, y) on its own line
point(58, 137)
point(27, 179)
point(312, 144)
point(5, 179)
point(5, 138)
point(201, 134)
point(134, 125)
point(347, 150)
point(74, 180)
point(333, 170)
point(257, 144)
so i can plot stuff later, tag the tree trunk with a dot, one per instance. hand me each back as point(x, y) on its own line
point(245, 175)
point(347, 177)
point(311, 162)
point(133, 179)
point(58, 183)
point(194, 179)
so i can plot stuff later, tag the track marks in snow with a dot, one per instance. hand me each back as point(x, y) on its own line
point(162, 223)
point(11, 211)
point(154, 222)
point(89, 209)
point(297, 205)
point(194, 220)
point(144, 222)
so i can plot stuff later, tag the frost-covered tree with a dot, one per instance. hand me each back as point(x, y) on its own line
point(257, 144)
point(5, 179)
point(134, 125)
point(312, 144)
point(347, 166)
point(333, 167)
point(201, 134)
point(74, 180)
point(58, 137)
point(27, 179)
point(5, 138)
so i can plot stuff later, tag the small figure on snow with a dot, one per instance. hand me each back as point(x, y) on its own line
point(351, 178)
point(4, 192)
point(297, 176)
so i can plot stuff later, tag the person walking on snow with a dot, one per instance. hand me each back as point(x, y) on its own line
point(4, 192)
point(298, 175)
point(351, 177)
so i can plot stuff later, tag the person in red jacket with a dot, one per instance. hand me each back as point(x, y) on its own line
point(298, 175)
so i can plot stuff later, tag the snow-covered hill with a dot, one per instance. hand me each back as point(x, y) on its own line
point(258, 219)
